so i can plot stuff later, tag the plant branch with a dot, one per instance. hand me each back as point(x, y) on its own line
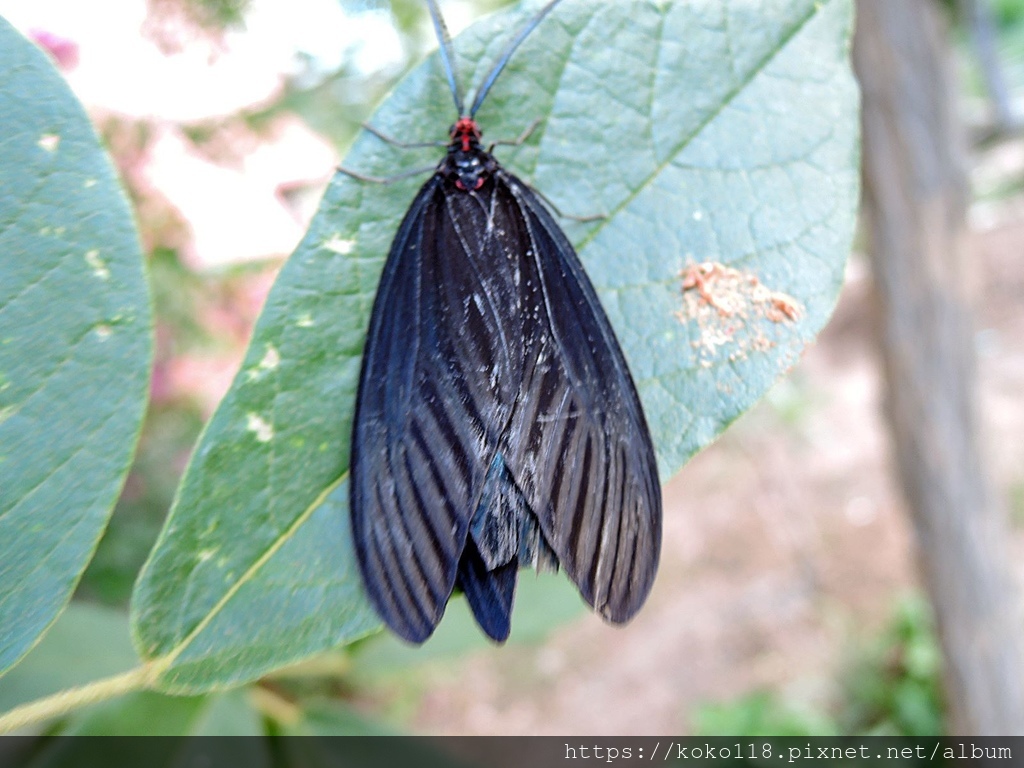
point(74, 698)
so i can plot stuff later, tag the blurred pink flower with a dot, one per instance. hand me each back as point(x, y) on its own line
point(203, 379)
point(63, 50)
point(237, 193)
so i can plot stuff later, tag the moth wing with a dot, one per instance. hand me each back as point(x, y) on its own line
point(578, 443)
point(435, 389)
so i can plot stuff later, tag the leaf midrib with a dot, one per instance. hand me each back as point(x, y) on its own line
point(163, 663)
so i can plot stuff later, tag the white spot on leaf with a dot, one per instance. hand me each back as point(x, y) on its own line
point(99, 267)
point(271, 359)
point(263, 430)
point(340, 245)
point(49, 142)
point(305, 320)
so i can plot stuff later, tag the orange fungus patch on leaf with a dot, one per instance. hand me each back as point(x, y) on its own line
point(729, 307)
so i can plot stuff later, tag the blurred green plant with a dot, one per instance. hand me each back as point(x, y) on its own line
point(1017, 504)
point(761, 713)
point(169, 433)
point(1007, 50)
point(892, 686)
point(1008, 13)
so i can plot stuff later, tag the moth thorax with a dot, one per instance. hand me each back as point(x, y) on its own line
point(469, 169)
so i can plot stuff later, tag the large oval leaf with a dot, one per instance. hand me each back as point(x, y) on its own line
point(75, 342)
point(719, 131)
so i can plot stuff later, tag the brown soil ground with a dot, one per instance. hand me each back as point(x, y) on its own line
point(785, 544)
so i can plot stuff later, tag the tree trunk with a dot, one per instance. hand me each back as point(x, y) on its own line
point(915, 201)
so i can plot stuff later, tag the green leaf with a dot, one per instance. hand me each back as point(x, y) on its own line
point(75, 343)
point(718, 132)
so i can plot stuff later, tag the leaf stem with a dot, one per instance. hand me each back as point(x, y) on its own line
point(73, 698)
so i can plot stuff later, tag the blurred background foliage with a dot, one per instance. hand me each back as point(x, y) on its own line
point(888, 679)
point(890, 685)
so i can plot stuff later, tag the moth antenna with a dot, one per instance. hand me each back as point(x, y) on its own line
point(444, 40)
point(499, 65)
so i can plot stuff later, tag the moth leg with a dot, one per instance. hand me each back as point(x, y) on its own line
point(383, 179)
point(519, 140)
point(403, 144)
point(571, 217)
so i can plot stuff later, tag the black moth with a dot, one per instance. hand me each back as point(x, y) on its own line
point(496, 424)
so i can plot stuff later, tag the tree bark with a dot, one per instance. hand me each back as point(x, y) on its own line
point(915, 201)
